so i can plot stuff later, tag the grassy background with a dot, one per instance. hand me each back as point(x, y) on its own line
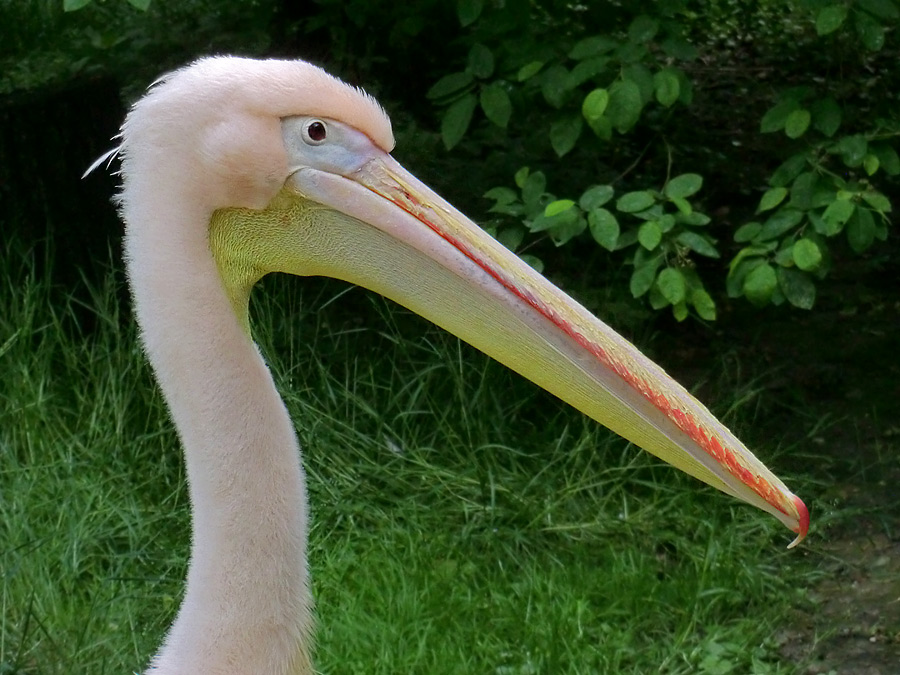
point(464, 521)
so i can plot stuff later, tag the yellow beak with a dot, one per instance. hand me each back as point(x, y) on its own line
point(381, 228)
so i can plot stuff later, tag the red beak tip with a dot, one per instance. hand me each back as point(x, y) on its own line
point(802, 521)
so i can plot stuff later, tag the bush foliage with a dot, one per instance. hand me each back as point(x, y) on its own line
point(713, 149)
point(610, 101)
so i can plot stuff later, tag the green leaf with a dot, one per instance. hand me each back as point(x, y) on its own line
point(602, 128)
point(592, 46)
point(481, 61)
point(867, 223)
point(643, 78)
point(747, 232)
point(777, 297)
point(560, 236)
point(760, 284)
point(680, 311)
point(789, 170)
point(643, 276)
point(588, 70)
point(649, 235)
point(853, 149)
point(739, 269)
point(594, 104)
point(632, 202)
point(823, 193)
point(870, 164)
point(533, 187)
point(797, 123)
point(652, 213)
point(686, 96)
point(797, 287)
point(780, 222)
point(683, 205)
point(803, 190)
point(556, 223)
point(529, 70)
point(511, 237)
point(75, 5)
point(667, 87)
point(819, 224)
point(830, 19)
point(877, 200)
point(671, 284)
point(683, 186)
point(468, 11)
point(596, 195)
point(555, 85)
point(450, 84)
point(776, 117)
point(704, 304)
point(564, 134)
point(887, 158)
point(806, 254)
point(540, 223)
point(746, 254)
point(456, 120)
point(566, 225)
point(861, 230)
point(604, 228)
point(826, 114)
point(694, 218)
point(837, 214)
point(142, 5)
point(883, 9)
point(496, 104)
point(625, 104)
point(521, 176)
point(557, 207)
point(771, 198)
point(643, 29)
point(870, 32)
point(785, 255)
point(656, 299)
point(697, 242)
point(501, 195)
point(666, 222)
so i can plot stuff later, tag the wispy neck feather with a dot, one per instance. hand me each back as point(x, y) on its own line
point(247, 606)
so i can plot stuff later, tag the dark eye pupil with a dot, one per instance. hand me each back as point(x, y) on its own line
point(316, 131)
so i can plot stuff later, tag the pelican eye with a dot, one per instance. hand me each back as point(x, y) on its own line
point(314, 132)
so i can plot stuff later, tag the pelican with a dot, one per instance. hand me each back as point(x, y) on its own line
point(235, 168)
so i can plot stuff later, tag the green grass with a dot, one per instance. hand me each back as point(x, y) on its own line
point(464, 522)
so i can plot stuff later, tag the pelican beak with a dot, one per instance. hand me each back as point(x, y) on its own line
point(379, 227)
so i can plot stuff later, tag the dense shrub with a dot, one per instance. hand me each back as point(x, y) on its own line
point(713, 149)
